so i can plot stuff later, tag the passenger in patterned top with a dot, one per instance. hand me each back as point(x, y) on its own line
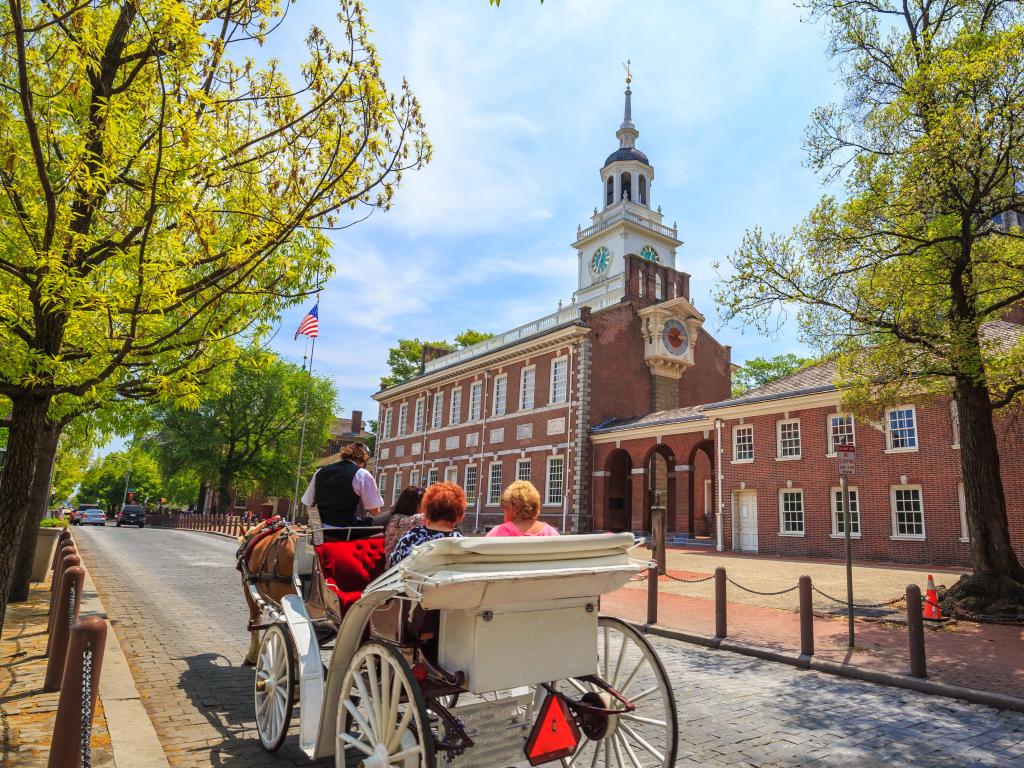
point(443, 507)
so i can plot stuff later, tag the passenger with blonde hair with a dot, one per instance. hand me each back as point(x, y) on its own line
point(521, 504)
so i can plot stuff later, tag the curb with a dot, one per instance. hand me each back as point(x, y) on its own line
point(133, 738)
point(922, 685)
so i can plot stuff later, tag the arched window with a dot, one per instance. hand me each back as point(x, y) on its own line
point(627, 186)
point(609, 197)
point(643, 190)
point(657, 288)
point(649, 254)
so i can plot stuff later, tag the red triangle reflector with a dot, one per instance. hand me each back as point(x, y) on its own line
point(554, 735)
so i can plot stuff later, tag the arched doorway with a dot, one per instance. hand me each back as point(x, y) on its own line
point(660, 476)
point(618, 500)
point(702, 491)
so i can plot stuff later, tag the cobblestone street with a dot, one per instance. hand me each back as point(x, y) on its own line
point(175, 602)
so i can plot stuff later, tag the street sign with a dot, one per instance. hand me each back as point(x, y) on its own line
point(847, 459)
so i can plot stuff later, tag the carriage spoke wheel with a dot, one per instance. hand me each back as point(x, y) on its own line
point(382, 718)
point(644, 738)
point(275, 687)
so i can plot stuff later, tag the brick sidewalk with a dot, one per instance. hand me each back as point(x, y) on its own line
point(985, 657)
point(26, 713)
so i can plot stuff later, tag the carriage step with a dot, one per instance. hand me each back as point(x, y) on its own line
point(498, 728)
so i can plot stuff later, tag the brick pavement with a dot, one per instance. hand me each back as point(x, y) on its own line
point(986, 657)
point(177, 608)
point(26, 712)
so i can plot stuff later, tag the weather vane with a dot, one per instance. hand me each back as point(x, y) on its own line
point(629, 75)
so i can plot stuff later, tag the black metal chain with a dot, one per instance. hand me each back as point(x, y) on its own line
point(756, 592)
point(690, 581)
point(836, 600)
point(87, 707)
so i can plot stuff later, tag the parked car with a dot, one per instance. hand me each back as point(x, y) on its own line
point(92, 516)
point(76, 514)
point(132, 514)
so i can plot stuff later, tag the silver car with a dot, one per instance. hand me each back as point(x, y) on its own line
point(93, 517)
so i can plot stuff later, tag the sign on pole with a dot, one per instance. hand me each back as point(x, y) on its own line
point(847, 459)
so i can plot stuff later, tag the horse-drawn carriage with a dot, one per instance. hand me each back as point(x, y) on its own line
point(475, 651)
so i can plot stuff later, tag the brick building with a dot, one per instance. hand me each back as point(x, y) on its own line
point(621, 401)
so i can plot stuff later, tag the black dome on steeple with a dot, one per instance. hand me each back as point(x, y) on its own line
point(627, 153)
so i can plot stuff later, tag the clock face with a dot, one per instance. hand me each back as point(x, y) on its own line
point(675, 338)
point(648, 253)
point(600, 261)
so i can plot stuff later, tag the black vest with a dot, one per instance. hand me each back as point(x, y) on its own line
point(333, 494)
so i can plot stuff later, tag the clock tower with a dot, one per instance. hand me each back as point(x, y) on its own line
point(624, 224)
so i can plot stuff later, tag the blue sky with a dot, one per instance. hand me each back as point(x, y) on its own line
point(521, 104)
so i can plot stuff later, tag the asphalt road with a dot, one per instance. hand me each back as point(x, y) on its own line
point(176, 604)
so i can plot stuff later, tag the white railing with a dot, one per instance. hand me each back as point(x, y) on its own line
point(606, 220)
point(555, 319)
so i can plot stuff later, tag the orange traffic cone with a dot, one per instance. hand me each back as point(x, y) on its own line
point(932, 610)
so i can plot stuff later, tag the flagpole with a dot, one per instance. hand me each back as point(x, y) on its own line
point(302, 436)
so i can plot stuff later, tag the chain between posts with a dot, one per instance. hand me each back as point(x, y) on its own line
point(765, 594)
point(87, 708)
point(836, 600)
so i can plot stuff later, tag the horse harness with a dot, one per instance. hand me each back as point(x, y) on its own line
point(275, 526)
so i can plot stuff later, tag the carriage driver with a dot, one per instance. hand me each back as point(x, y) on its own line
point(344, 493)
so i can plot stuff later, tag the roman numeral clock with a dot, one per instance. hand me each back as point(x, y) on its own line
point(670, 331)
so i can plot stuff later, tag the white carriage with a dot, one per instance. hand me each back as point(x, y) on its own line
point(477, 651)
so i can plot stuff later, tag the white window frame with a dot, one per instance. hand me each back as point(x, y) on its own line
point(888, 429)
point(778, 440)
point(432, 477)
point(735, 444)
point(892, 509)
point(494, 484)
point(835, 501)
point(388, 412)
point(397, 490)
point(550, 501)
point(437, 413)
point(470, 481)
point(414, 477)
point(524, 403)
point(965, 531)
point(476, 395)
point(954, 422)
point(528, 476)
point(419, 416)
point(403, 418)
point(553, 399)
point(455, 407)
point(382, 484)
point(831, 425)
point(499, 395)
point(782, 513)
point(451, 474)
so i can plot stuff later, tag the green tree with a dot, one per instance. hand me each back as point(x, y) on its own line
point(404, 360)
point(248, 437)
point(106, 479)
point(903, 274)
point(758, 371)
point(163, 194)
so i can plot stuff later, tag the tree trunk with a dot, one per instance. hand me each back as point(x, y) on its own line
point(991, 550)
point(39, 499)
point(28, 415)
point(224, 493)
point(203, 487)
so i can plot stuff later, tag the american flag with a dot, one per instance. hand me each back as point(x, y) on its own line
point(309, 325)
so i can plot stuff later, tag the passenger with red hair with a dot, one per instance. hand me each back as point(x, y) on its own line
point(443, 506)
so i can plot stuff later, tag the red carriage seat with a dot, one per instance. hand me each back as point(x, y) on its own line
point(348, 566)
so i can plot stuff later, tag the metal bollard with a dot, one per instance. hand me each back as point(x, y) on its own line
point(806, 618)
point(69, 561)
point(67, 548)
point(720, 625)
point(63, 539)
point(915, 632)
point(72, 730)
point(64, 620)
point(652, 595)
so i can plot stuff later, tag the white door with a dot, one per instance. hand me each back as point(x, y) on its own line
point(747, 502)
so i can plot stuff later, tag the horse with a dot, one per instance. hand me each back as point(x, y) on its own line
point(266, 555)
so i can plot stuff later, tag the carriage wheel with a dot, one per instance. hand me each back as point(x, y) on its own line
point(275, 687)
point(382, 717)
point(644, 738)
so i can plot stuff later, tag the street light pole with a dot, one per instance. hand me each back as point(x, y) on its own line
point(127, 479)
